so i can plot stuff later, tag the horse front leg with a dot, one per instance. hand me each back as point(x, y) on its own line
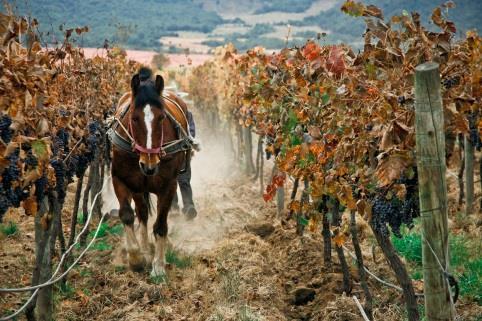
point(126, 214)
point(142, 210)
point(160, 228)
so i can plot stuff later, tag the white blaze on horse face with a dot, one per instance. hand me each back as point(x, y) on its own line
point(148, 118)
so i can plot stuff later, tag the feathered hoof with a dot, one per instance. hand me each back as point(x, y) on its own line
point(137, 262)
point(158, 269)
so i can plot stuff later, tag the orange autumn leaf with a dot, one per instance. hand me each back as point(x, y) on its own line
point(30, 205)
point(339, 239)
point(311, 51)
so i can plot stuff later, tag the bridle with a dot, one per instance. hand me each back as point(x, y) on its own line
point(138, 148)
point(183, 143)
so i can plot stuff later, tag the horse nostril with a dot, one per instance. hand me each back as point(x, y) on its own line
point(147, 170)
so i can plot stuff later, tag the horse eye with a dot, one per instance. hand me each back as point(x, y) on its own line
point(135, 119)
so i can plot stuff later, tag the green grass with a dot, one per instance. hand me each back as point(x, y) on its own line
point(66, 290)
point(105, 230)
point(160, 279)
point(101, 245)
point(465, 261)
point(176, 259)
point(9, 229)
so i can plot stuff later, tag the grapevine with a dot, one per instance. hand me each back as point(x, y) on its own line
point(324, 109)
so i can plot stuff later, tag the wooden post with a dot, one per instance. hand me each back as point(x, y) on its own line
point(433, 191)
point(469, 175)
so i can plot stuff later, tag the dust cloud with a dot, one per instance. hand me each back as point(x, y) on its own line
point(219, 190)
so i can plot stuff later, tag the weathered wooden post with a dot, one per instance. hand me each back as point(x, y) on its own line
point(429, 125)
point(469, 175)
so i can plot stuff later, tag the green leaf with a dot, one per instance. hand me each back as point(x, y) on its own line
point(302, 221)
point(325, 98)
point(40, 148)
point(291, 122)
point(295, 140)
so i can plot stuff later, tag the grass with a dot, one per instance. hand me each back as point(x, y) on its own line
point(176, 259)
point(105, 230)
point(245, 314)
point(230, 285)
point(9, 229)
point(101, 245)
point(160, 279)
point(465, 261)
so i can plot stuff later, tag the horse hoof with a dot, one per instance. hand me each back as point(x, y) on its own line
point(148, 258)
point(174, 211)
point(190, 213)
point(137, 261)
point(158, 270)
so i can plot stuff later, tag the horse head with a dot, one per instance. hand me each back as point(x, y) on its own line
point(146, 119)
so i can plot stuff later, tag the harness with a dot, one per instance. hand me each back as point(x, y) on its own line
point(182, 144)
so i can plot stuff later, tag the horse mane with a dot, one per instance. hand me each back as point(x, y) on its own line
point(145, 74)
point(147, 93)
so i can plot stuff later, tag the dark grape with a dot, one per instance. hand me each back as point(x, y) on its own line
point(61, 143)
point(5, 132)
point(451, 82)
point(474, 135)
point(4, 204)
point(401, 100)
point(31, 161)
point(60, 171)
point(41, 188)
point(12, 172)
point(394, 212)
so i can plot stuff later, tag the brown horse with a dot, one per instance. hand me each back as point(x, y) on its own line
point(150, 144)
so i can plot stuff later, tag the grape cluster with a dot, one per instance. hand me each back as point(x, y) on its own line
point(11, 172)
point(76, 165)
point(451, 82)
point(394, 212)
point(60, 144)
point(30, 160)
point(41, 188)
point(5, 131)
point(11, 195)
point(474, 135)
point(93, 140)
point(60, 171)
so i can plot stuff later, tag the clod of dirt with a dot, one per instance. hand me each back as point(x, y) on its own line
point(302, 295)
point(262, 229)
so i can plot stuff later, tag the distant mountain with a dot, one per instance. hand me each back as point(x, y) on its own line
point(140, 24)
point(343, 28)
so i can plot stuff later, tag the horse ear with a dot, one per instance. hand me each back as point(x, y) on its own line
point(159, 84)
point(135, 82)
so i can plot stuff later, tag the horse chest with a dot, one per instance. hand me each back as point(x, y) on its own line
point(127, 170)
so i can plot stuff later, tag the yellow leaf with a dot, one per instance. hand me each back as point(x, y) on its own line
point(339, 239)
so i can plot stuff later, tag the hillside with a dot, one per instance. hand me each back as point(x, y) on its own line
point(202, 24)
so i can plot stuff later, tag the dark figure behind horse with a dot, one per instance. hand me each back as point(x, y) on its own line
point(150, 148)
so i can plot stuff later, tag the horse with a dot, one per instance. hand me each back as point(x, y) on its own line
point(151, 144)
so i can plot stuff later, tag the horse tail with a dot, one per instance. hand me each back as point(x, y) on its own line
point(147, 200)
